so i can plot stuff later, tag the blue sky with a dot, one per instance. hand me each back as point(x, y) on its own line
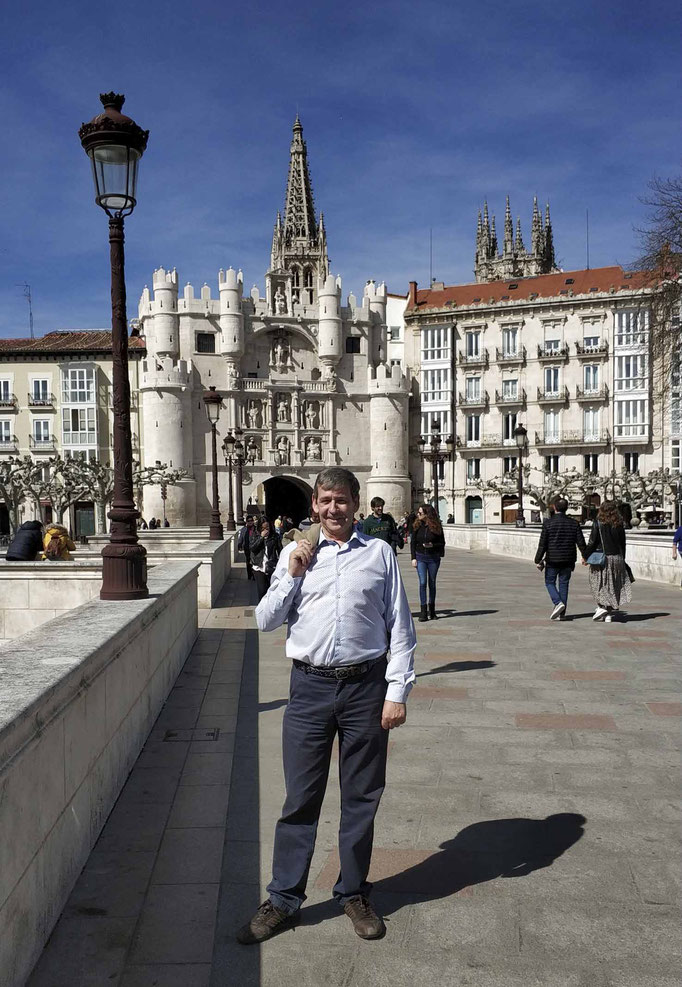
point(413, 113)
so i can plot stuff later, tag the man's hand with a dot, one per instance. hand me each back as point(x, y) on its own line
point(414, 562)
point(539, 565)
point(584, 561)
point(300, 558)
point(393, 715)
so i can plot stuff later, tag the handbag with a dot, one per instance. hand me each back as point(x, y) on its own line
point(597, 559)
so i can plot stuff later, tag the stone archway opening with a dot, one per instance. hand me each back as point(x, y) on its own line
point(287, 495)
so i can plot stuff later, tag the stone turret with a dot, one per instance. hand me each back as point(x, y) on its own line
point(231, 287)
point(389, 391)
point(376, 300)
point(329, 335)
point(159, 316)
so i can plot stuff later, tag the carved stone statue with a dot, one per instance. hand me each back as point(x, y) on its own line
point(312, 416)
point(314, 449)
point(283, 450)
point(282, 408)
point(253, 415)
point(280, 302)
point(253, 450)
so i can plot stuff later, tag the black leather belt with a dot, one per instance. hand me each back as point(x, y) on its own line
point(341, 672)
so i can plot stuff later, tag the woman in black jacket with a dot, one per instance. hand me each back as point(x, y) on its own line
point(264, 549)
point(27, 542)
point(427, 546)
point(610, 583)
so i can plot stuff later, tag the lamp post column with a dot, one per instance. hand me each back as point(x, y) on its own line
point(520, 434)
point(124, 560)
point(215, 532)
point(230, 502)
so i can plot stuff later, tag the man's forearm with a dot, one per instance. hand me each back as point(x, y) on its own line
point(274, 608)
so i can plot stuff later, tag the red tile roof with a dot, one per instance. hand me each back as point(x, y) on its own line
point(68, 341)
point(599, 280)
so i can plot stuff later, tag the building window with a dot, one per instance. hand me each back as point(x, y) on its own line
point(632, 328)
point(551, 426)
point(41, 430)
point(441, 419)
point(352, 344)
point(510, 389)
point(79, 386)
point(78, 426)
point(205, 342)
point(435, 343)
point(436, 385)
point(473, 469)
point(308, 278)
point(473, 344)
point(440, 466)
point(591, 378)
point(631, 462)
point(551, 380)
point(473, 429)
point(396, 363)
point(5, 431)
point(591, 424)
point(590, 342)
point(631, 372)
point(551, 464)
point(552, 337)
point(394, 333)
point(631, 417)
point(509, 464)
point(5, 391)
point(473, 388)
point(295, 284)
point(510, 341)
point(508, 426)
point(675, 453)
point(40, 390)
point(591, 463)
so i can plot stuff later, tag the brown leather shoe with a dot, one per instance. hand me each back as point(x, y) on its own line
point(265, 924)
point(365, 920)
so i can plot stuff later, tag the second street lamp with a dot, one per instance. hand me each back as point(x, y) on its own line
point(212, 402)
point(435, 455)
point(239, 462)
point(114, 143)
point(228, 450)
point(520, 434)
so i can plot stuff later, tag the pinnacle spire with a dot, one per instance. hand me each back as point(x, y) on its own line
point(518, 242)
point(508, 229)
point(299, 209)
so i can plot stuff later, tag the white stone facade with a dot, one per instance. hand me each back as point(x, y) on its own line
point(304, 374)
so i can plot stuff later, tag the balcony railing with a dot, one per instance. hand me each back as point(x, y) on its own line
point(552, 397)
point(8, 443)
point(511, 399)
point(474, 360)
point(589, 352)
point(481, 400)
point(48, 444)
point(41, 400)
point(510, 356)
point(594, 394)
point(8, 402)
point(575, 437)
point(492, 441)
point(552, 353)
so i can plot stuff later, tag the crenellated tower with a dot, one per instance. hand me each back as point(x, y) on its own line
point(389, 391)
point(515, 261)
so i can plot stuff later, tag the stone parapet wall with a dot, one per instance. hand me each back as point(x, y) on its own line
point(32, 593)
point(77, 701)
point(648, 555)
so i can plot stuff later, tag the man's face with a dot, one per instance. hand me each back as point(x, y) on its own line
point(335, 509)
point(379, 510)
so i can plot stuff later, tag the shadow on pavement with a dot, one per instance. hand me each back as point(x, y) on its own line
point(641, 616)
point(275, 704)
point(481, 852)
point(458, 666)
point(443, 613)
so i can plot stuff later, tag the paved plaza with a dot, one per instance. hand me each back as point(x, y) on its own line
point(528, 834)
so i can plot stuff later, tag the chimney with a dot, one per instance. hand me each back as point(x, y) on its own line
point(412, 296)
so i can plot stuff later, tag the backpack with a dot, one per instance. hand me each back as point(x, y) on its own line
point(52, 550)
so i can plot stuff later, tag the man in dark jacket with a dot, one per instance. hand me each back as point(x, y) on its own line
point(557, 554)
point(27, 542)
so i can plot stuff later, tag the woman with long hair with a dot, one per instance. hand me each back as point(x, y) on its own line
point(427, 546)
point(264, 549)
point(610, 577)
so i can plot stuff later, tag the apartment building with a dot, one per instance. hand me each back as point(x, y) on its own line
point(564, 353)
point(56, 399)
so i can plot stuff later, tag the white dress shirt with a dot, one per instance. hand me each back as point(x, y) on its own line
point(349, 606)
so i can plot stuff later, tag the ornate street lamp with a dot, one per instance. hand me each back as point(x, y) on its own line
point(228, 450)
point(520, 434)
point(239, 462)
point(114, 143)
point(212, 402)
point(435, 454)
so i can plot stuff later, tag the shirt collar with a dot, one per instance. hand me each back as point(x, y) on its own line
point(354, 536)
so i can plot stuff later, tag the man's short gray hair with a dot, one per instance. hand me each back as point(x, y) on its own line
point(335, 478)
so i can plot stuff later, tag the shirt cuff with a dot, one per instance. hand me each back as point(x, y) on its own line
point(397, 693)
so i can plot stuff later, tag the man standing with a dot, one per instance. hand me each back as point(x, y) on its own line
point(558, 540)
point(342, 599)
point(380, 525)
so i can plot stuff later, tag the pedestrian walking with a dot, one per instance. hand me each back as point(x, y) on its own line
point(427, 547)
point(243, 539)
point(27, 542)
point(381, 525)
point(556, 554)
point(342, 599)
point(677, 541)
point(610, 576)
point(264, 549)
